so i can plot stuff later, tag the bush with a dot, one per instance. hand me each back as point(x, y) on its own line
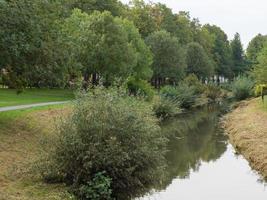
point(186, 95)
point(183, 93)
point(242, 87)
point(140, 87)
point(192, 81)
point(213, 92)
point(96, 189)
point(165, 107)
point(111, 132)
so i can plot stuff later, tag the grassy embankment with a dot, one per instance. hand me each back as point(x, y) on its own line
point(29, 96)
point(20, 134)
point(247, 129)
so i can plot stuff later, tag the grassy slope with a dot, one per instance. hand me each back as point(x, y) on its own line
point(20, 133)
point(247, 128)
point(10, 97)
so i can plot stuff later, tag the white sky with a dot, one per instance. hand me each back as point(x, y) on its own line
point(248, 17)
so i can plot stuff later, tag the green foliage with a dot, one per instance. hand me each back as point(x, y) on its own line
point(166, 107)
point(183, 93)
point(238, 56)
point(221, 51)
point(186, 95)
point(193, 81)
point(112, 132)
point(255, 47)
point(96, 189)
point(100, 44)
point(198, 62)
point(169, 59)
point(260, 70)
point(140, 88)
point(242, 87)
point(30, 51)
point(213, 91)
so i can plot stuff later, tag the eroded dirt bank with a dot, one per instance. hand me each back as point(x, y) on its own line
point(247, 129)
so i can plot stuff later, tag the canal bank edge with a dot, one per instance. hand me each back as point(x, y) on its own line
point(246, 126)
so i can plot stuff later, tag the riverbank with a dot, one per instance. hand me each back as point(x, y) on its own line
point(246, 126)
point(20, 136)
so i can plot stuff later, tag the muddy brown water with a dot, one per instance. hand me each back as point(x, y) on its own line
point(202, 165)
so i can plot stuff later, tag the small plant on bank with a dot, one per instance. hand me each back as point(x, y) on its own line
point(213, 92)
point(166, 107)
point(242, 87)
point(109, 132)
point(141, 88)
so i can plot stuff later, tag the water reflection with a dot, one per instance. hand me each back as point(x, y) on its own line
point(194, 137)
point(202, 164)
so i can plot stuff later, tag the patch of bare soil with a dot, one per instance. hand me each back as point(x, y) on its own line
point(247, 129)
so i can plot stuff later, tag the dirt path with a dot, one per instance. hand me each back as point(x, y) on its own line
point(20, 107)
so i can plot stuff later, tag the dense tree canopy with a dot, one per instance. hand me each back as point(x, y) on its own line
point(198, 62)
point(238, 55)
point(57, 43)
point(255, 46)
point(169, 59)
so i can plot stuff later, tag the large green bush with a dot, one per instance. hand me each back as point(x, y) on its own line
point(242, 87)
point(112, 133)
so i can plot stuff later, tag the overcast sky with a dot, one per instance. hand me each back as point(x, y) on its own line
point(248, 17)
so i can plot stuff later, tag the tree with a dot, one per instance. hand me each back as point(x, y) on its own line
point(239, 65)
point(260, 69)
point(106, 47)
point(198, 62)
point(254, 48)
point(142, 69)
point(169, 59)
point(30, 53)
point(140, 13)
point(184, 30)
point(221, 51)
point(89, 6)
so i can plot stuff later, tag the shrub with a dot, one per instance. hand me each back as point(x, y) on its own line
point(186, 95)
point(140, 87)
point(96, 189)
point(193, 81)
point(242, 87)
point(183, 93)
point(165, 107)
point(108, 131)
point(213, 92)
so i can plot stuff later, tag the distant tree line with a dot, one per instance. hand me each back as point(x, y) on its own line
point(59, 43)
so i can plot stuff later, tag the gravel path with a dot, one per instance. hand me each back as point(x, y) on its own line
point(20, 107)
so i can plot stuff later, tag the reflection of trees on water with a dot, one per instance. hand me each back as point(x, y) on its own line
point(194, 137)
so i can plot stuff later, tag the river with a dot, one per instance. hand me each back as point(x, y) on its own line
point(202, 164)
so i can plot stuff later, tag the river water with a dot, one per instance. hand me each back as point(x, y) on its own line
point(202, 165)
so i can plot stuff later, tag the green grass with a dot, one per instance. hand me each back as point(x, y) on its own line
point(10, 97)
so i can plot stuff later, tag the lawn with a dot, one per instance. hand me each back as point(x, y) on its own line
point(10, 97)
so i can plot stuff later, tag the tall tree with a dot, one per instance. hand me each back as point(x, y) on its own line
point(30, 52)
point(169, 57)
point(89, 6)
point(141, 14)
point(260, 69)
point(106, 47)
point(198, 61)
point(221, 51)
point(239, 65)
point(255, 47)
